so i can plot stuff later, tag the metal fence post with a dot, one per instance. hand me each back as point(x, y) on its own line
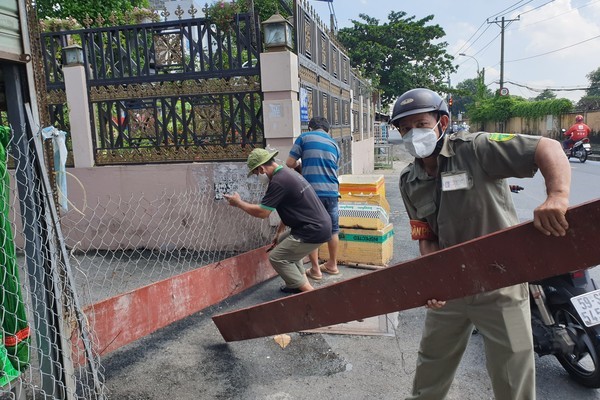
point(44, 306)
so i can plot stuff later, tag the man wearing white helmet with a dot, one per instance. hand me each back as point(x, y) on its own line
point(454, 191)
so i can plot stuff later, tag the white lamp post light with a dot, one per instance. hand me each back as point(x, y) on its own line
point(278, 33)
point(72, 55)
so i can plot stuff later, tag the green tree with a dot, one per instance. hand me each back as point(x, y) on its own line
point(502, 108)
point(465, 94)
point(78, 9)
point(266, 8)
point(588, 103)
point(400, 54)
point(547, 94)
point(594, 78)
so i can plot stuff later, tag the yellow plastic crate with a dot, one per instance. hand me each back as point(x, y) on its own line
point(363, 246)
point(362, 216)
point(365, 184)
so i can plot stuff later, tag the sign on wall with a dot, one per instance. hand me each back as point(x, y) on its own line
point(303, 105)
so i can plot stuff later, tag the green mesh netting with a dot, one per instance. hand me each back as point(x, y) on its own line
point(14, 349)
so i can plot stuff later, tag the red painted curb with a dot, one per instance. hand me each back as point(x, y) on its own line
point(125, 318)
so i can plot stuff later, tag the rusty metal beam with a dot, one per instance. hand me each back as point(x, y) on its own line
point(513, 255)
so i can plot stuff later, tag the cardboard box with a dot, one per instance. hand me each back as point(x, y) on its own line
point(363, 246)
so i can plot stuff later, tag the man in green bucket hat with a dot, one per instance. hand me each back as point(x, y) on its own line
point(298, 207)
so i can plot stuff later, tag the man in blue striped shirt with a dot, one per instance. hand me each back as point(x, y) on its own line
point(317, 155)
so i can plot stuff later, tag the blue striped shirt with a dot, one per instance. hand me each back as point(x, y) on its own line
point(320, 155)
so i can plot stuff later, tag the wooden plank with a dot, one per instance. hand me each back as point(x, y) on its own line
point(364, 266)
point(513, 255)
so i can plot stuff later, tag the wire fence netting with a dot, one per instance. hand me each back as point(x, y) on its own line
point(59, 256)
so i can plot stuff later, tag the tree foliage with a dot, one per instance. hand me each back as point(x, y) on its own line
point(266, 8)
point(78, 9)
point(465, 95)
point(594, 89)
point(502, 108)
point(588, 103)
point(546, 94)
point(539, 109)
point(402, 53)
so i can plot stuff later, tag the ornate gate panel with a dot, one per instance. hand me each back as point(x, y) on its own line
point(181, 90)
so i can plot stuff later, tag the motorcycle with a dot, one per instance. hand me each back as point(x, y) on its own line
point(580, 149)
point(565, 320)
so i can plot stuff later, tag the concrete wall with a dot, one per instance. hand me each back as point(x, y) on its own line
point(549, 125)
point(363, 156)
point(167, 206)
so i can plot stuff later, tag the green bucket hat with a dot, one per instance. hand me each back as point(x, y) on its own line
point(258, 157)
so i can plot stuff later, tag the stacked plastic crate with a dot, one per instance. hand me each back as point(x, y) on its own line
point(366, 235)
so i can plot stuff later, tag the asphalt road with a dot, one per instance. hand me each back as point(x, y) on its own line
point(190, 360)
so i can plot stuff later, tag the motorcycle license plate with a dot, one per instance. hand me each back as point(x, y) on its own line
point(587, 306)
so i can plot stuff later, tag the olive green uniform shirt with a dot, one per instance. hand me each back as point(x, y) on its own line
point(469, 197)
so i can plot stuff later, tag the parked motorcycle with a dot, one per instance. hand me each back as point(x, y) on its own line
point(565, 311)
point(580, 149)
point(565, 320)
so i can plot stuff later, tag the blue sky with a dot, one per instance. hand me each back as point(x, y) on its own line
point(554, 44)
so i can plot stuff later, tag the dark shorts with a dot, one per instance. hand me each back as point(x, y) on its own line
point(331, 205)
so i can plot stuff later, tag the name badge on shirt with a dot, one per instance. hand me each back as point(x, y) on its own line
point(455, 181)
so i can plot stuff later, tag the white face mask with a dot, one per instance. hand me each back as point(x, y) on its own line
point(263, 178)
point(420, 142)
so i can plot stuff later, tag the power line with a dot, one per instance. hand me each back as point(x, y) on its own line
point(555, 51)
point(522, 27)
point(488, 43)
point(556, 89)
point(469, 39)
point(483, 48)
point(503, 12)
point(508, 9)
point(478, 37)
point(536, 8)
point(468, 42)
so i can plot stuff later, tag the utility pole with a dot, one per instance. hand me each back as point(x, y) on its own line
point(503, 23)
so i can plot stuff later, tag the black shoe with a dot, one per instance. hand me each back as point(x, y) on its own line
point(286, 289)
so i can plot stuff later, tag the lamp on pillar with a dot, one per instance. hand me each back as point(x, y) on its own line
point(72, 55)
point(278, 33)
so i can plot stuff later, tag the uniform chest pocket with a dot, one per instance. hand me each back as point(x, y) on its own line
point(425, 209)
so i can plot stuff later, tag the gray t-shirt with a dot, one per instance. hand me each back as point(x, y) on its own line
point(298, 206)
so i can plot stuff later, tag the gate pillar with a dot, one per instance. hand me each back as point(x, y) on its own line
point(79, 115)
point(281, 107)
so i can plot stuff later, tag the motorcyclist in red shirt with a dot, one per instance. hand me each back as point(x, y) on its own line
point(576, 132)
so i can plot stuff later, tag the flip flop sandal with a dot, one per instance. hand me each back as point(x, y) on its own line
point(310, 274)
point(323, 268)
